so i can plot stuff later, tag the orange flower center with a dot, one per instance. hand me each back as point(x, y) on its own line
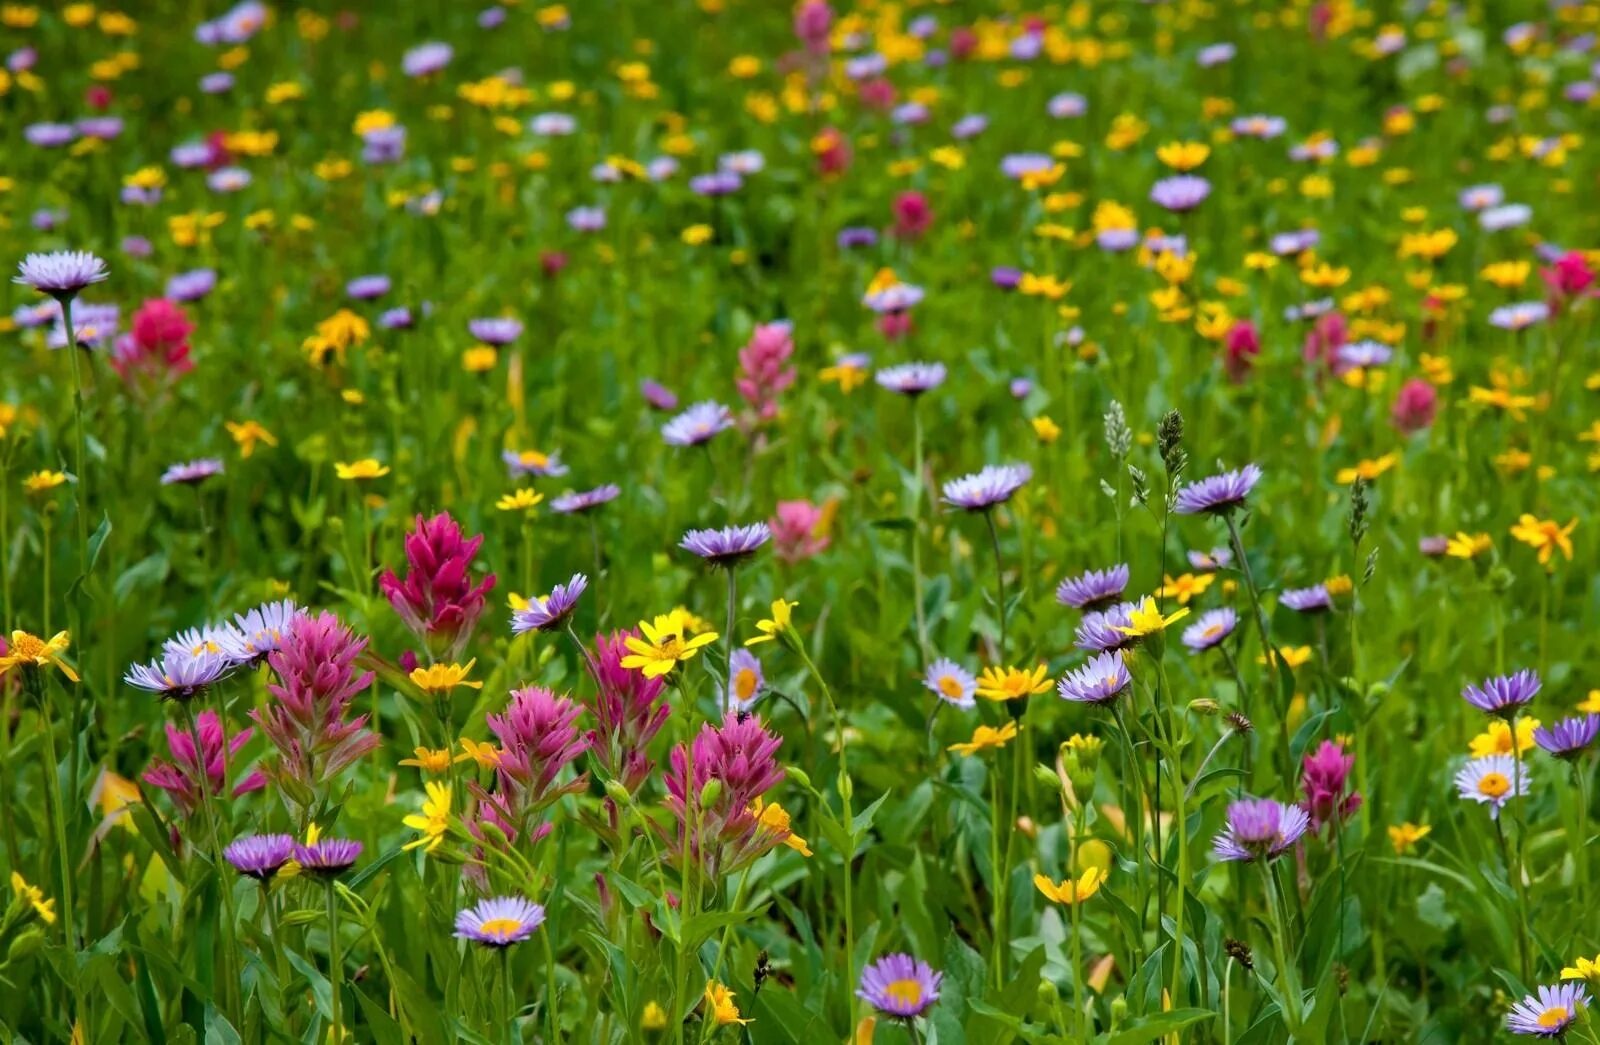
point(1494, 785)
point(909, 992)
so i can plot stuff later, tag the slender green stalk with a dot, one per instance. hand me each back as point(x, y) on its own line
point(33, 679)
point(1260, 617)
point(1000, 582)
point(708, 1028)
point(224, 885)
point(997, 891)
point(507, 1006)
point(335, 963)
point(1288, 981)
point(728, 639)
point(1517, 799)
point(916, 530)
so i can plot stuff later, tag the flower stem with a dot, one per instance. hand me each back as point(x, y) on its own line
point(208, 801)
point(335, 963)
point(1000, 582)
point(1517, 796)
point(1288, 982)
point(916, 530)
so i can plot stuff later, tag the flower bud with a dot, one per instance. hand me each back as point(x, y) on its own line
point(1204, 706)
point(28, 942)
point(618, 792)
point(710, 793)
point(799, 776)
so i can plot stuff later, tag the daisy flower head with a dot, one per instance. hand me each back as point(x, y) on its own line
point(1503, 695)
point(900, 986)
point(911, 379)
point(747, 682)
point(30, 651)
point(951, 683)
point(1549, 1012)
point(1012, 683)
point(1218, 494)
point(696, 425)
point(662, 646)
point(1107, 629)
point(549, 612)
point(1093, 589)
point(1070, 892)
point(1314, 599)
point(1492, 781)
point(190, 473)
point(1210, 629)
point(728, 546)
point(327, 857)
point(259, 856)
point(499, 921)
point(179, 674)
point(1183, 192)
point(1570, 737)
point(257, 632)
point(1099, 682)
point(61, 273)
point(578, 502)
point(981, 491)
point(1260, 829)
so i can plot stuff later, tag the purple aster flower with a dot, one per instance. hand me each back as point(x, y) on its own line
point(327, 858)
point(137, 247)
point(1507, 216)
point(1067, 106)
point(1180, 193)
point(365, 288)
point(1017, 164)
point(492, 17)
point(969, 126)
point(426, 59)
point(383, 145)
point(257, 632)
point(661, 168)
point(103, 128)
point(532, 462)
point(1492, 780)
point(553, 124)
point(1218, 494)
point(1520, 315)
point(1116, 240)
point(1006, 277)
point(1364, 353)
point(1099, 682)
point(189, 472)
point(1101, 632)
point(1215, 54)
point(1569, 737)
point(910, 114)
point(398, 318)
point(259, 856)
point(893, 299)
point(697, 424)
point(1504, 695)
point(1259, 126)
point(911, 379)
point(1434, 545)
point(192, 285)
point(1314, 599)
point(586, 219)
point(900, 986)
point(498, 331)
point(952, 683)
point(1481, 197)
point(499, 921)
point(1212, 627)
point(549, 612)
point(745, 161)
point(216, 83)
point(1093, 589)
point(728, 546)
point(190, 155)
point(980, 491)
point(747, 685)
point(179, 674)
point(61, 273)
point(577, 502)
point(659, 396)
point(49, 135)
point(855, 236)
point(1020, 387)
point(1550, 1013)
point(228, 179)
point(1260, 829)
point(92, 324)
point(866, 66)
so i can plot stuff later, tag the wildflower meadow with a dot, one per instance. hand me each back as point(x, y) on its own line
point(756, 521)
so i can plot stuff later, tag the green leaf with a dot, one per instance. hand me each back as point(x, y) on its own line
point(218, 1030)
point(370, 872)
point(1154, 1027)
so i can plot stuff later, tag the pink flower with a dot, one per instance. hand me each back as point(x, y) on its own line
point(156, 352)
point(725, 835)
point(316, 681)
point(1240, 349)
point(895, 325)
point(912, 215)
point(538, 739)
point(832, 150)
point(799, 530)
point(762, 371)
point(1325, 775)
point(878, 94)
point(812, 22)
point(1415, 406)
point(963, 42)
point(1327, 336)
point(628, 710)
point(1569, 276)
point(180, 777)
point(437, 599)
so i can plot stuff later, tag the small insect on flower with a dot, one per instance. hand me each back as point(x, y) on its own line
point(952, 683)
point(984, 738)
point(1549, 1013)
point(900, 986)
point(499, 921)
point(663, 647)
point(1493, 781)
point(1069, 891)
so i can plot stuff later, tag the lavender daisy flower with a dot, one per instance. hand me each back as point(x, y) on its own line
point(1215, 559)
point(178, 675)
point(397, 318)
point(1434, 545)
point(259, 856)
point(911, 379)
point(896, 298)
point(549, 612)
point(1018, 164)
point(745, 161)
point(969, 126)
point(1481, 197)
point(192, 472)
point(192, 285)
point(1218, 494)
point(900, 986)
point(1259, 829)
point(497, 331)
point(1365, 353)
point(426, 59)
point(852, 237)
point(383, 145)
point(697, 424)
point(1550, 1013)
point(499, 921)
point(1093, 589)
point(1103, 632)
point(49, 135)
point(1067, 106)
point(365, 288)
point(191, 642)
point(190, 155)
point(1180, 193)
point(1259, 126)
point(1114, 241)
point(257, 632)
point(104, 128)
point(327, 858)
point(586, 219)
point(1215, 54)
point(92, 324)
point(1006, 277)
point(61, 273)
point(1503, 695)
point(553, 124)
point(952, 683)
point(1314, 599)
point(1507, 216)
point(746, 685)
point(228, 179)
point(659, 396)
point(1570, 737)
point(1520, 315)
point(980, 491)
point(1492, 780)
point(728, 546)
point(1098, 682)
point(532, 462)
point(1212, 627)
point(137, 247)
point(575, 503)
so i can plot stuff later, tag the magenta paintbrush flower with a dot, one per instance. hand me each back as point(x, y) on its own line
point(1326, 774)
point(438, 599)
point(763, 368)
point(180, 777)
point(628, 712)
point(740, 757)
point(538, 739)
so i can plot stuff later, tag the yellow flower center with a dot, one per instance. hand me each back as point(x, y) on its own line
point(744, 684)
point(909, 992)
point(500, 927)
point(1494, 785)
point(1553, 1017)
point(950, 686)
point(29, 647)
point(1213, 631)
